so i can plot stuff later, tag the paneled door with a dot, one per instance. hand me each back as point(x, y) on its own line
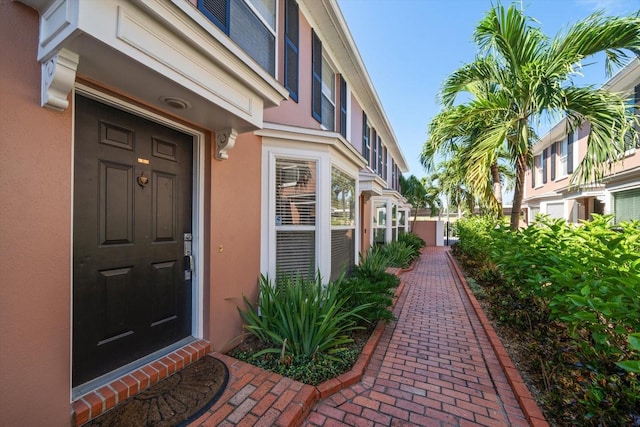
point(132, 212)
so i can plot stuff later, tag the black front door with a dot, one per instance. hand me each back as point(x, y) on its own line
point(132, 207)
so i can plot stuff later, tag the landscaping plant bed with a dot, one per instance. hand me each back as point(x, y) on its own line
point(564, 302)
point(309, 371)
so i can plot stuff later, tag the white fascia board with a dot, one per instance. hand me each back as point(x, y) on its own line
point(331, 140)
point(625, 78)
point(151, 48)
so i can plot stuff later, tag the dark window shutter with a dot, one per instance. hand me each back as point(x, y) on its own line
point(343, 107)
point(544, 165)
point(570, 153)
point(316, 77)
point(291, 37)
point(553, 161)
point(365, 137)
point(384, 164)
point(217, 11)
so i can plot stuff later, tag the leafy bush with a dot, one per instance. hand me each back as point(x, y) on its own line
point(576, 290)
point(301, 318)
point(413, 240)
point(398, 254)
point(369, 284)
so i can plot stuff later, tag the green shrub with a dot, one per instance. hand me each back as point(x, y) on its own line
point(413, 240)
point(398, 254)
point(576, 290)
point(369, 284)
point(301, 318)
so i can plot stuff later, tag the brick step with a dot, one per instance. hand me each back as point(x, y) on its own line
point(96, 402)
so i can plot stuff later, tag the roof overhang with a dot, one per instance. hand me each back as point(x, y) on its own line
point(370, 183)
point(153, 51)
point(315, 138)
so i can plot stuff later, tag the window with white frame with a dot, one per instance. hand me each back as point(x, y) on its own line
point(249, 23)
point(328, 95)
point(632, 137)
point(626, 205)
point(555, 210)
point(394, 222)
point(402, 219)
point(379, 222)
point(538, 163)
point(562, 158)
point(295, 216)
point(366, 139)
point(343, 206)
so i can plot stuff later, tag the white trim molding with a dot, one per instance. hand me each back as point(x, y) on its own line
point(58, 78)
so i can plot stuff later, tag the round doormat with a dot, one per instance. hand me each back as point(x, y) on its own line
point(174, 401)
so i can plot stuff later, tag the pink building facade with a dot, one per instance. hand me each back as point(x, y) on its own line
point(158, 156)
point(548, 187)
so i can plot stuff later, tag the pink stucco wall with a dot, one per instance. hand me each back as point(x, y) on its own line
point(291, 112)
point(35, 235)
point(426, 230)
point(235, 238)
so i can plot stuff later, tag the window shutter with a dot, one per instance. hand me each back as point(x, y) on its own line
point(544, 165)
point(291, 37)
point(217, 11)
point(553, 161)
point(385, 164)
point(343, 107)
point(570, 153)
point(316, 80)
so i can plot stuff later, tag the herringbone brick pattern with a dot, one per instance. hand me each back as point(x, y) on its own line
point(434, 365)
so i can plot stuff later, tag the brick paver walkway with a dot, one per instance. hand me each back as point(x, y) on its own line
point(433, 366)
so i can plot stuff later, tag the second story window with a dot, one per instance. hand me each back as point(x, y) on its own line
point(323, 88)
point(249, 23)
point(328, 95)
point(537, 175)
point(366, 139)
point(562, 158)
point(374, 158)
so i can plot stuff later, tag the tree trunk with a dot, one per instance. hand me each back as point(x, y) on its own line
point(518, 194)
point(497, 185)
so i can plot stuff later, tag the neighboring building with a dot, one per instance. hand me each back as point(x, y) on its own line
point(157, 157)
point(547, 185)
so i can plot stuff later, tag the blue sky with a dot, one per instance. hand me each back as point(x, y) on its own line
point(410, 46)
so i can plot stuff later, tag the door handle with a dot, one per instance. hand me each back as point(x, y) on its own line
point(188, 265)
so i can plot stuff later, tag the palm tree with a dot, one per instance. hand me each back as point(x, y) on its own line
point(451, 135)
point(532, 77)
point(420, 194)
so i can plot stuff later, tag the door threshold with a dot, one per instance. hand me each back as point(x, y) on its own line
point(98, 396)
